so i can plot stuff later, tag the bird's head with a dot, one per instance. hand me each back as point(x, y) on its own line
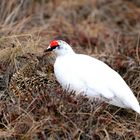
point(59, 47)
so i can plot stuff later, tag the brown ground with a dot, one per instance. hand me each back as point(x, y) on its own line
point(32, 103)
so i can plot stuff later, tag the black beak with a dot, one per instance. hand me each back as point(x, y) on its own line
point(48, 49)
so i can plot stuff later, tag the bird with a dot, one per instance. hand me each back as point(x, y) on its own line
point(85, 74)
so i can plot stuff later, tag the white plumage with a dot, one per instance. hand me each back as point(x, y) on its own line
point(83, 73)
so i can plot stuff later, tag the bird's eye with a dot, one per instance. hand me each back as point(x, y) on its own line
point(58, 47)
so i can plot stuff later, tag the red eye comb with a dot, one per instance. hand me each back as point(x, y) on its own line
point(54, 43)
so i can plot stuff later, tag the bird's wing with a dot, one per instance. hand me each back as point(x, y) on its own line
point(96, 75)
point(100, 78)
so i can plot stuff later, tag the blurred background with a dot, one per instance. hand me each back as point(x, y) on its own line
point(31, 106)
point(80, 22)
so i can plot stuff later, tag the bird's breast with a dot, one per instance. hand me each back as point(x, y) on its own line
point(67, 77)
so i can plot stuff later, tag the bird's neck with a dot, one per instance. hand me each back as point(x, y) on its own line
point(64, 53)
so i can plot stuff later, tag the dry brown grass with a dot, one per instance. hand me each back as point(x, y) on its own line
point(32, 103)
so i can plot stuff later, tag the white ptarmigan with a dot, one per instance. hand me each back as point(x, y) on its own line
point(82, 73)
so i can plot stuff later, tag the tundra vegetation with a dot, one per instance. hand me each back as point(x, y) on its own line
point(32, 103)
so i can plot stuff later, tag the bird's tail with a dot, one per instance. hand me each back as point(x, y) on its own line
point(137, 109)
point(135, 105)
